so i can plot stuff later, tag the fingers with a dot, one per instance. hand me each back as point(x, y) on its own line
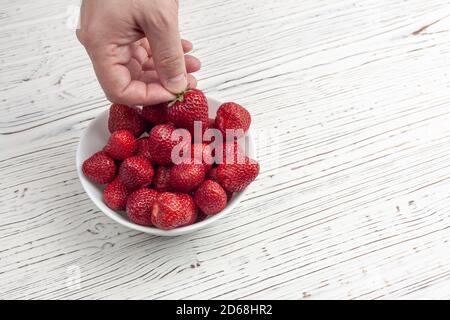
point(186, 44)
point(140, 93)
point(121, 86)
point(192, 81)
point(116, 80)
point(161, 30)
point(142, 53)
point(146, 89)
point(152, 76)
point(192, 64)
point(139, 53)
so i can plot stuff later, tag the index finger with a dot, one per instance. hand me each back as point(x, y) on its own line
point(116, 81)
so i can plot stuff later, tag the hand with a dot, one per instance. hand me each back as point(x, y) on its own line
point(136, 50)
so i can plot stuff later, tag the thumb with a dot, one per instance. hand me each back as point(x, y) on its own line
point(161, 29)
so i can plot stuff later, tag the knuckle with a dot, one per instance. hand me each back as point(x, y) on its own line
point(163, 18)
point(85, 38)
point(112, 97)
point(120, 96)
point(170, 60)
point(81, 36)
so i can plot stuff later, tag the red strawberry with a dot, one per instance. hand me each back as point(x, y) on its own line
point(211, 123)
point(186, 177)
point(194, 217)
point(232, 116)
point(115, 195)
point(203, 153)
point(188, 107)
point(123, 117)
point(121, 145)
point(156, 114)
point(173, 210)
point(144, 148)
point(161, 144)
point(136, 172)
point(236, 177)
point(210, 197)
point(161, 181)
point(140, 205)
point(231, 153)
point(211, 174)
point(201, 216)
point(99, 168)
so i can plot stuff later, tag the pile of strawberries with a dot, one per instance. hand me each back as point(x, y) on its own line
point(141, 176)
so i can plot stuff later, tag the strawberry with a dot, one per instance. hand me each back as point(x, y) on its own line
point(211, 175)
point(231, 116)
point(121, 145)
point(194, 217)
point(139, 206)
point(161, 143)
point(201, 216)
point(173, 210)
point(236, 177)
point(122, 117)
point(231, 153)
point(211, 123)
point(185, 177)
point(115, 195)
point(99, 168)
point(136, 172)
point(144, 148)
point(161, 181)
point(156, 114)
point(203, 153)
point(188, 107)
point(210, 197)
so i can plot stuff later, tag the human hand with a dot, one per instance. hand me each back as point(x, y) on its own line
point(136, 51)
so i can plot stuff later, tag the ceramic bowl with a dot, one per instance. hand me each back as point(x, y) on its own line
point(93, 139)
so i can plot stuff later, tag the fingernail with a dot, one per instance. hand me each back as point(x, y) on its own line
point(177, 84)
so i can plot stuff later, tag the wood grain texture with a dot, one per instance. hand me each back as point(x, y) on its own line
point(351, 104)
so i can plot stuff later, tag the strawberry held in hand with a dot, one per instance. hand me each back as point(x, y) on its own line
point(122, 117)
point(173, 210)
point(188, 107)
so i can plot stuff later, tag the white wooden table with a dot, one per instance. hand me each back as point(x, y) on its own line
point(351, 101)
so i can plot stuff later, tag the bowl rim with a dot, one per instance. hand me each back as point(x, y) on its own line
point(117, 217)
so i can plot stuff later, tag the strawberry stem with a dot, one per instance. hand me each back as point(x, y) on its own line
point(179, 97)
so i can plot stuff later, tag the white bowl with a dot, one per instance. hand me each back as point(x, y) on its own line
point(94, 139)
